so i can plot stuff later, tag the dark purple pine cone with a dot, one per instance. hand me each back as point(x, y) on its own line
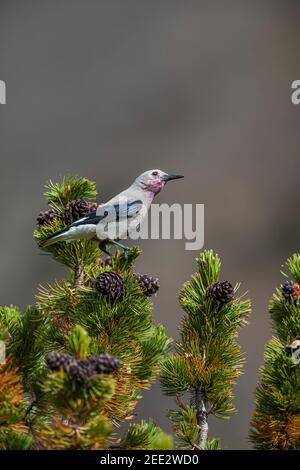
point(221, 292)
point(104, 363)
point(291, 291)
point(57, 361)
point(149, 284)
point(111, 285)
point(74, 210)
point(80, 371)
point(46, 217)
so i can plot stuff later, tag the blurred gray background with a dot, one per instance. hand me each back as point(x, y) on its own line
point(108, 89)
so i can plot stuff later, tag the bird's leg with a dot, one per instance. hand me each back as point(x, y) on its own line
point(124, 248)
point(102, 246)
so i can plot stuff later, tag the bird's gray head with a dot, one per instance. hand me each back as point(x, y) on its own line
point(154, 180)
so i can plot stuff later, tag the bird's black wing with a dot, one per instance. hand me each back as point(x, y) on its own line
point(111, 212)
point(92, 219)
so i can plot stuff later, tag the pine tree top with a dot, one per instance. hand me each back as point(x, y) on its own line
point(276, 421)
point(207, 359)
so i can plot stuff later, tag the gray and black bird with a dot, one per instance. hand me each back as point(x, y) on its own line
point(120, 216)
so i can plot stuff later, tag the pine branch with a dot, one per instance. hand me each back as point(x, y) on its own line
point(207, 358)
point(276, 420)
point(88, 347)
point(14, 434)
point(146, 435)
point(79, 275)
point(199, 402)
point(68, 189)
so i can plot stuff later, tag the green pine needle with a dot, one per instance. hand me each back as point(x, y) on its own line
point(68, 189)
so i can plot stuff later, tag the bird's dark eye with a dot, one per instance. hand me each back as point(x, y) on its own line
point(154, 173)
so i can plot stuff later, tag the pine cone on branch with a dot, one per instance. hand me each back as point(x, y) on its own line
point(104, 363)
point(74, 210)
point(111, 285)
point(46, 217)
point(221, 292)
point(149, 284)
point(56, 361)
point(81, 371)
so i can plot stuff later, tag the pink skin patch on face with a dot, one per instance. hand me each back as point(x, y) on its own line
point(156, 186)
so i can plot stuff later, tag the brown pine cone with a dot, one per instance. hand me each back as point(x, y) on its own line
point(149, 284)
point(111, 285)
point(221, 292)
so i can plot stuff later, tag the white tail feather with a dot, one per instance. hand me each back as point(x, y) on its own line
point(87, 232)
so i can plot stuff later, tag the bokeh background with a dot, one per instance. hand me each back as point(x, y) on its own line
point(108, 89)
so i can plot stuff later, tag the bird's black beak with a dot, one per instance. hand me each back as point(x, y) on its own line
point(171, 177)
